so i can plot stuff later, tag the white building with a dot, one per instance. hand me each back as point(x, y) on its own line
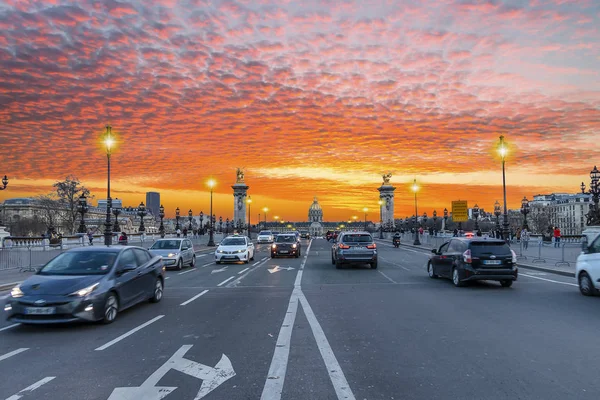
point(315, 217)
point(564, 210)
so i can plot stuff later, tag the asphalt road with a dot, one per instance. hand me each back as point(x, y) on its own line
point(300, 329)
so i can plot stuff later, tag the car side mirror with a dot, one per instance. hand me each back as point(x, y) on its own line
point(127, 268)
point(585, 248)
point(434, 251)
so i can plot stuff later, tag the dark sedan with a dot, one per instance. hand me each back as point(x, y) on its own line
point(286, 245)
point(89, 284)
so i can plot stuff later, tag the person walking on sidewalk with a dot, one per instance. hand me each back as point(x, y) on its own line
point(90, 236)
point(556, 236)
point(525, 238)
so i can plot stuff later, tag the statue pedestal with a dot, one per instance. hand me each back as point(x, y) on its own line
point(240, 216)
point(386, 195)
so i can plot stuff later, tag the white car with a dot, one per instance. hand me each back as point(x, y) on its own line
point(235, 248)
point(587, 270)
point(265, 237)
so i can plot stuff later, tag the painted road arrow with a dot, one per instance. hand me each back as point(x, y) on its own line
point(212, 378)
point(278, 268)
point(214, 271)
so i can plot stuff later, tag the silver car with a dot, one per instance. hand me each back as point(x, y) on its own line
point(175, 252)
point(354, 248)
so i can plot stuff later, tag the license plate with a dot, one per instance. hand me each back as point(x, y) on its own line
point(284, 251)
point(492, 262)
point(40, 310)
point(229, 257)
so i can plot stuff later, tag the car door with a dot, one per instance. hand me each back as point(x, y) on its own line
point(438, 258)
point(592, 259)
point(186, 251)
point(447, 258)
point(250, 249)
point(127, 282)
point(145, 273)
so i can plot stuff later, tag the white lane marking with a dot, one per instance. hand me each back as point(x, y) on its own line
point(387, 277)
point(226, 280)
point(193, 298)
point(206, 265)
point(393, 263)
point(167, 277)
point(264, 258)
point(31, 388)
point(549, 280)
point(126, 334)
point(338, 379)
point(9, 327)
point(244, 270)
point(13, 353)
point(185, 272)
point(256, 263)
point(298, 280)
point(201, 255)
point(238, 280)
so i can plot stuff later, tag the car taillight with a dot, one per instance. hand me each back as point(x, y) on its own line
point(467, 257)
point(344, 246)
point(514, 256)
point(372, 246)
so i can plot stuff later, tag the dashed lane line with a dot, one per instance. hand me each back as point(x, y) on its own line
point(185, 272)
point(206, 265)
point(255, 266)
point(9, 327)
point(185, 303)
point(244, 270)
point(225, 281)
point(13, 353)
point(549, 280)
point(129, 333)
point(387, 277)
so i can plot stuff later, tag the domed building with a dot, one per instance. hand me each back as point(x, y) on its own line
point(315, 217)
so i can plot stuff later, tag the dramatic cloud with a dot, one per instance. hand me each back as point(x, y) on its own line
point(312, 98)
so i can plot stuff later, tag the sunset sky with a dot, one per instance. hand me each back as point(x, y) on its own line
point(311, 98)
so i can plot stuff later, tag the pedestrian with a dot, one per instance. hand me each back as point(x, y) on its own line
point(178, 232)
point(455, 233)
point(525, 238)
point(185, 232)
point(556, 236)
point(123, 239)
point(90, 236)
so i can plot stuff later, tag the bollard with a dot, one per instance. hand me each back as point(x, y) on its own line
point(521, 256)
point(539, 258)
point(562, 261)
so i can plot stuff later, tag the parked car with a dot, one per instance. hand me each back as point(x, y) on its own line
point(265, 237)
point(286, 244)
point(305, 234)
point(587, 268)
point(354, 248)
point(89, 284)
point(175, 252)
point(474, 259)
point(235, 248)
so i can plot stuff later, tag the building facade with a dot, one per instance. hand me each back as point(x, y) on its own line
point(153, 203)
point(563, 210)
point(315, 218)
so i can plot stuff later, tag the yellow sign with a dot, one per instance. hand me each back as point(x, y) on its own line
point(460, 211)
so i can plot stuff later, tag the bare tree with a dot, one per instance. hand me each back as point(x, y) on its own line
point(68, 193)
point(539, 220)
point(51, 210)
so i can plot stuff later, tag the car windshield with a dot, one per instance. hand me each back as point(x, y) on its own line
point(285, 239)
point(357, 238)
point(166, 245)
point(265, 233)
point(233, 242)
point(80, 263)
point(483, 248)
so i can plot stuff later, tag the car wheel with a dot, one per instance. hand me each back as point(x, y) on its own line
point(193, 262)
point(111, 308)
point(430, 271)
point(252, 258)
point(338, 264)
point(158, 291)
point(586, 286)
point(506, 283)
point(217, 262)
point(179, 264)
point(456, 278)
point(332, 260)
point(374, 265)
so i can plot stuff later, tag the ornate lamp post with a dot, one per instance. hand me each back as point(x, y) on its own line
point(190, 218)
point(161, 215)
point(82, 207)
point(108, 142)
point(525, 210)
point(142, 213)
point(201, 223)
point(211, 239)
point(593, 216)
point(476, 216)
point(415, 188)
point(497, 212)
point(221, 224)
point(503, 150)
point(445, 218)
point(425, 219)
point(265, 210)
point(177, 216)
point(4, 182)
point(365, 211)
point(227, 226)
point(116, 211)
point(249, 201)
point(435, 217)
point(380, 202)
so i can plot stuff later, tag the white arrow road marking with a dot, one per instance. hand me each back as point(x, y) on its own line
point(226, 280)
point(131, 332)
point(278, 268)
point(31, 388)
point(214, 271)
point(185, 303)
point(13, 353)
point(8, 327)
point(211, 378)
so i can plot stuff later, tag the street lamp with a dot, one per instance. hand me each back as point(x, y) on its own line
point(476, 216)
point(211, 239)
point(142, 213)
point(445, 218)
point(425, 219)
point(380, 218)
point(82, 207)
point(177, 216)
point(593, 216)
point(221, 224)
point(227, 226)
point(190, 218)
point(265, 210)
point(435, 217)
point(116, 211)
point(161, 215)
point(108, 142)
point(503, 150)
point(497, 212)
point(525, 210)
point(4, 182)
point(249, 202)
point(365, 211)
point(201, 223)
point(415, 188)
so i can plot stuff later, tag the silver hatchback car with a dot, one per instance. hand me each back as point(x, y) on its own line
point(175, 252)
point(354, 248)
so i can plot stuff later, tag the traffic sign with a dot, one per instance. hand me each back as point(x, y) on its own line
point(460, 211)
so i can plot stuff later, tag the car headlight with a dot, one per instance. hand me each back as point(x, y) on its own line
point(172, 254)
point(274, 246)
point(294, 245)
point(219, 251)
point(85, 291)
point(16, 292)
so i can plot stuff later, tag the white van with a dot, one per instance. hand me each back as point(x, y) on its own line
point(587, 270)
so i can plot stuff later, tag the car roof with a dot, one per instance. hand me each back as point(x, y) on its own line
point(101, 249)
point(287, 234)
point(478, 239)
point(357, 233)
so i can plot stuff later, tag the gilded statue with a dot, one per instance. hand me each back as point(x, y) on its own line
point(240, 175)
point(386, 178)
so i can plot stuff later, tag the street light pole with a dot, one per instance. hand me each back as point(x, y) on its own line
point(380, 219)
point(116, 211)
point(211, 239)
point(525, 210)
point(201, 223)
point(265, 209)
point(108, 141)
point(476, 216)
point(177, 216)
point(190, 218)
point(503, 150)
point(249, 201)
point(161, 215)
point(365, 211)
point(445, 219)
point(497, 212)
point(83, 208)
point(415, 188)
point(142, 213)
point(435, 217)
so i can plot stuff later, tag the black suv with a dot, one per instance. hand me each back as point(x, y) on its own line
point(474, 259)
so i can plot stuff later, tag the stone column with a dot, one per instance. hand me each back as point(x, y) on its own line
point(240, 212)
point(386, 195)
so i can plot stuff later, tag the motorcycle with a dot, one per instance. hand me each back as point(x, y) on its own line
point(396, 242)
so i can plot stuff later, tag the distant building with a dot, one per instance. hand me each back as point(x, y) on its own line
point(116, 203)
point(565, 210)
point(315, 217)
point(153, 203)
